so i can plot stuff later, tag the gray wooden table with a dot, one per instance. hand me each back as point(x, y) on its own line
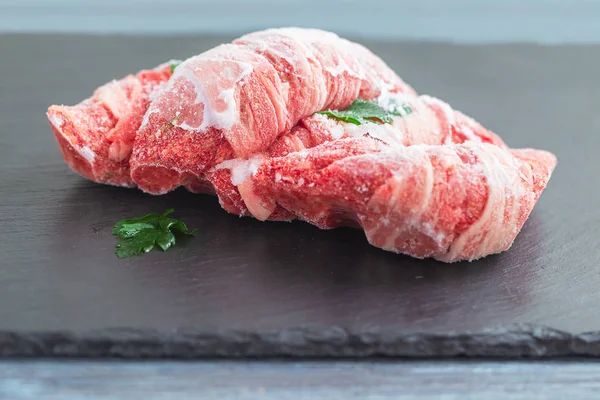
point(278, 380)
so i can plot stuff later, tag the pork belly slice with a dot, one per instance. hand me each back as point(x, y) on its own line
point(452, 202)
point(96, 136)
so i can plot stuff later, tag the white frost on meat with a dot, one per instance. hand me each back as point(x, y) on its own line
point(84, 151)
point(240, 169)
point(212, 118)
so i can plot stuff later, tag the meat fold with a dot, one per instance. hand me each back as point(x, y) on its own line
point(96, 136)
point(431, 122)
point(236, 99)
point(451, 202)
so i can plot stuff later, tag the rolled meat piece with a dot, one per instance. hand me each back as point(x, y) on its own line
point(451, 202)
point(236, 99)
point(430, 121)
point(96, 136)
point(242, 121)
point(227, 102)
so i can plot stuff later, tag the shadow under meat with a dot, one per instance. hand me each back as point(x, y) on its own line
point(245, 274)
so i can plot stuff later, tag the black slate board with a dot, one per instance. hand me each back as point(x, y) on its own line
point(58, 271)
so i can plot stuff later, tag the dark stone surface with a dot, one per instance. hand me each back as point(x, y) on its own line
point(520, 341)
point(58, 271)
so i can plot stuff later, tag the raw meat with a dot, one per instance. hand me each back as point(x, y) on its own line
point(96, 136)
point(239, 121)
point(431, 122)
point(236, 99)
point(452, 202)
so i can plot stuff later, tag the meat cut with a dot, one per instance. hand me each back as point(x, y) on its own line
point(243, 121)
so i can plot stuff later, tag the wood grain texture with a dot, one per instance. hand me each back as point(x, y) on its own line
point(58, 270)
point(299, 381)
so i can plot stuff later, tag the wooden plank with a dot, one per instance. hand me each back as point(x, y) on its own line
point(279, 380)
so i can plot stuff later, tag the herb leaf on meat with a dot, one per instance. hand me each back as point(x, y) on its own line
point(174, 65)
point(362, 111)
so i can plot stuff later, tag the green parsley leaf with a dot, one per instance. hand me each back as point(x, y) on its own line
point(362, 111)
point(143, 234)
point(174, 65)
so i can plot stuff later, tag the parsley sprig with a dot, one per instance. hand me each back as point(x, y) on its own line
point(141, 235)
point(362, 111)
point(174, 65)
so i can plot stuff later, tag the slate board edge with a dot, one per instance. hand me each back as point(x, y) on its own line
point(517, 341)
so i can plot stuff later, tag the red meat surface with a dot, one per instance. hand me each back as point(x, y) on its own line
point(236, 99)
point(451, 202)
point(96, 136)
point(240, 121)
point(431, 122)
